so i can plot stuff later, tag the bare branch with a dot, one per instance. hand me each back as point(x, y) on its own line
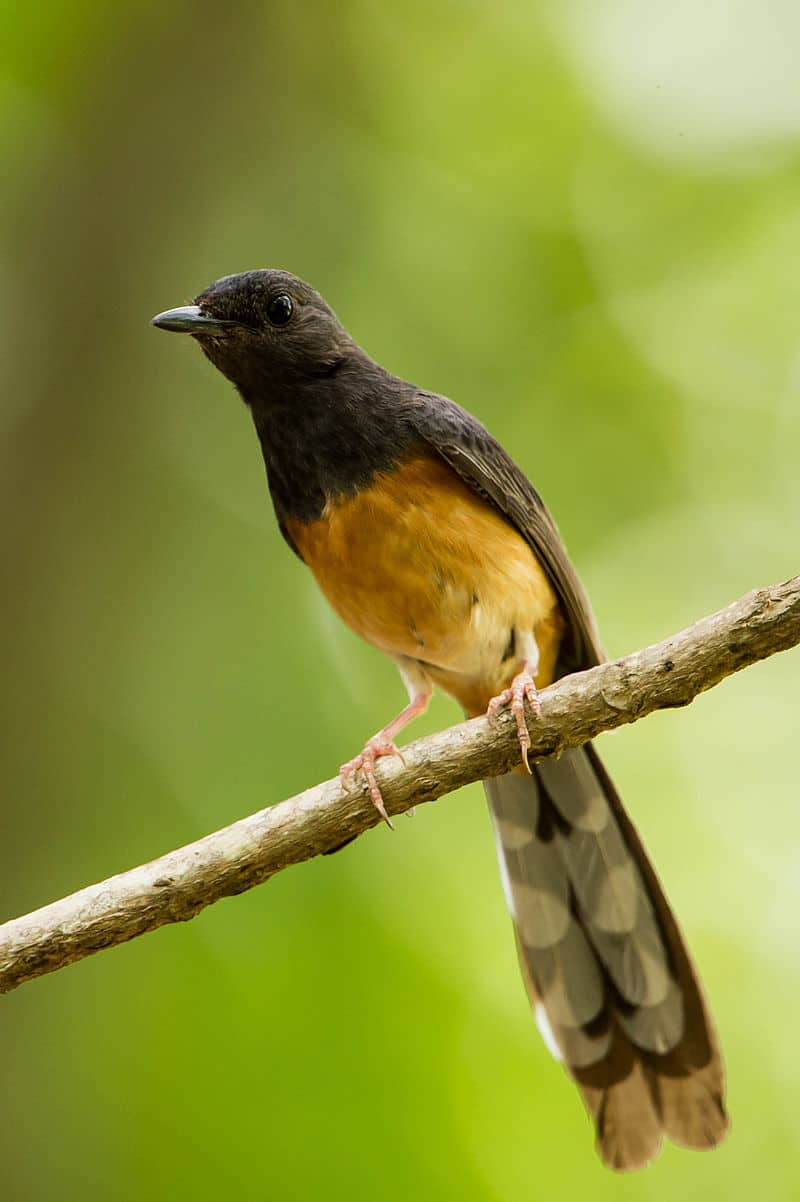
point(177, 886)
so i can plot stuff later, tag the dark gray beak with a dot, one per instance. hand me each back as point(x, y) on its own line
point(189, 320)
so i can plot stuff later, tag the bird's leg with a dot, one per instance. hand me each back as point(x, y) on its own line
point(419, 691)
point(379, 745)
point(521, 689)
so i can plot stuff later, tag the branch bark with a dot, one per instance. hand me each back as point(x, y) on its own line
point(177, 886)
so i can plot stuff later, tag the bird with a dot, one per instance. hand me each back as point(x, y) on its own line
point(430, 542)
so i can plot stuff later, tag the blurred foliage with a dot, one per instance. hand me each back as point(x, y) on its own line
point(582, 222)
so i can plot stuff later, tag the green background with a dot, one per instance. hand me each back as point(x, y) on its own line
point(580, 220)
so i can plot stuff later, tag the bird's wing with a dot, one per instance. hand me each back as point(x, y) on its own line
point(470, 450)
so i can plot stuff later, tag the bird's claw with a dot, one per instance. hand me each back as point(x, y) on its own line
point(364, 763)
point(521, 689)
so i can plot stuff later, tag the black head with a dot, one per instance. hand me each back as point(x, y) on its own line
point(267, 331)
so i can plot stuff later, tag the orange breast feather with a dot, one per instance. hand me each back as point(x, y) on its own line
point(422, 567)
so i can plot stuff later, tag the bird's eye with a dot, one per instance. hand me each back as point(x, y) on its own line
point(280, 309)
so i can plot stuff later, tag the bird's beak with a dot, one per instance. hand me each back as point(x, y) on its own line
point(189, 320)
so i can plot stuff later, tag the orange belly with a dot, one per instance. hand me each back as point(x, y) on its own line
point(425, 569)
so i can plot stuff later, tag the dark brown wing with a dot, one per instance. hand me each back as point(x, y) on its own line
point(479, 459)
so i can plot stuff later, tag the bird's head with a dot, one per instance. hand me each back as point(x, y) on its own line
point(266, 330)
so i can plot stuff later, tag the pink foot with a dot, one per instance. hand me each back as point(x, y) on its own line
point(522, 688)
point(374, 749)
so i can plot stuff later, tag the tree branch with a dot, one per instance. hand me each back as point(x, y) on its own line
point(177, 886)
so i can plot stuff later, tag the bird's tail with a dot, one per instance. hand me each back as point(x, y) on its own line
point(615, 993)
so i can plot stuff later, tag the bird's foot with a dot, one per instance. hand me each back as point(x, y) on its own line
point(365, 762)
point(521, 689)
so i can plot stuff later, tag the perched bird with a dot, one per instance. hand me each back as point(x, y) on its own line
point(429, 541)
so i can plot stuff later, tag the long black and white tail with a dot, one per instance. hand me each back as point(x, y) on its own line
point(615, 993)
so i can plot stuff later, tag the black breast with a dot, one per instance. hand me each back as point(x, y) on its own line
point(331, 436)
